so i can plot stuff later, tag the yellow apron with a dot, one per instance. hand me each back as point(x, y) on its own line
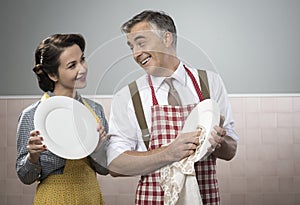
point(77, 185)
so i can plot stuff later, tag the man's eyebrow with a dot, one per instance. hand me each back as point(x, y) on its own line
point(138, 37)
point(135, 39)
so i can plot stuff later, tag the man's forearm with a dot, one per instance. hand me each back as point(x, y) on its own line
point(131, 163)
point(227, 150)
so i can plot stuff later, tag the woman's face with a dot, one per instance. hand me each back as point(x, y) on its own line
point(72, 71)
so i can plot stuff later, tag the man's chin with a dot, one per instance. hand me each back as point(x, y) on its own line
point(158, 71)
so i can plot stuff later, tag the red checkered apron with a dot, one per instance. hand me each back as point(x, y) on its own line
point(167, 121)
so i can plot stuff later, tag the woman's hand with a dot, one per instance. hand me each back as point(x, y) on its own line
point(102, 135)
point(35, 146)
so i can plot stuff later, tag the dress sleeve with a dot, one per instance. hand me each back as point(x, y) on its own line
point(27, 172)
point(98, 158)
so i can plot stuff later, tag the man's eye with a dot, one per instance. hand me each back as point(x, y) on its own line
point(141, 44)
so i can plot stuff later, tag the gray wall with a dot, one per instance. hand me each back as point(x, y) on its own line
point(253, 45)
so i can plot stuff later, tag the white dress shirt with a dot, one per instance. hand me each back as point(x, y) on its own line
point(123, 125)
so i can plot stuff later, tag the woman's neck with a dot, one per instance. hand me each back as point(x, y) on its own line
point(68, 93)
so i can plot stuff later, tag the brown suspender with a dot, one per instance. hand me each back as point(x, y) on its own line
point(204, 84)
point(139, 111)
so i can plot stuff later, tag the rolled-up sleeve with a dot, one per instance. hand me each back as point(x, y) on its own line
point(219, 94)
point(123, 127)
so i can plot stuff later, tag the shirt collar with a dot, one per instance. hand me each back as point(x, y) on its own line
point(77, 96)
point(179, 75)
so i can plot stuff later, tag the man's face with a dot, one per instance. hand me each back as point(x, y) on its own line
point(148, 48)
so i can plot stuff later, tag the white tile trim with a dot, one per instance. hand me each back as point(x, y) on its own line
point(110, 96)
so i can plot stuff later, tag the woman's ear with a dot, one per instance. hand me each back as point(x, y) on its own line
point(168, 39)
point(53, 77)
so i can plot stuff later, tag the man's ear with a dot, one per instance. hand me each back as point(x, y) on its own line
point(53, 77)
point(168, 39)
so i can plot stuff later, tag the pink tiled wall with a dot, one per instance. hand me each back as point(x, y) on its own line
point(266, 169)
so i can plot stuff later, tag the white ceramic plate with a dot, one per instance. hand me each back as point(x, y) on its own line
point(206, 114)
point(69, 129)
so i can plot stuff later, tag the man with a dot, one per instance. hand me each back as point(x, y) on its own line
point(152, 38)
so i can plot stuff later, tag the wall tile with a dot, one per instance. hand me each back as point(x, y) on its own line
point(285, 168)
point(254, 184)
point(13, 186)
point(297, 167)
point(253, 120)
point(225, 198)
point(238, 185)
point(285, 136)
point(284, 104)
point(271, 198)
point(297, 198)
point(237, 104)
point(237, 169)
point(297, 184)
point(241, 135)
point(296, 151)
point(296, 135)
point(269, 136)
point(285, 152)
point(254, 199)
point(296, 120)
point(27, 199)
point(240, 153)
point(254, 168)
point(269, 168)
point(285, 120)
point(286, 184)
point(254, 152)
point(3, 199)
point(269, 152)
point(238, 198)
point(286, 199)
point(253, 136)
point(223, 185)
point(223, 169)
point(125, 199)
point(270, 184)
point(296, 104)
point(268, 105)
point(252, 105)
point(268, 120)
point(14, 199)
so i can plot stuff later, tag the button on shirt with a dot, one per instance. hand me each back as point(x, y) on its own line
point(124, 128)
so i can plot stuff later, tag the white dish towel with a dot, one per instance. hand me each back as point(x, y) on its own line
point(179, 182)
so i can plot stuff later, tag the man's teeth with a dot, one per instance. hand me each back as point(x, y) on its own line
point(145, 61)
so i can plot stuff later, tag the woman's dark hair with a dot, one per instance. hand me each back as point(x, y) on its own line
point(47, 57)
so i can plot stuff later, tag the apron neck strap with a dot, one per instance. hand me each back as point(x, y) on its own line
point(196, 86)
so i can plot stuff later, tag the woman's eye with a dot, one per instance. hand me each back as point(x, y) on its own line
point(72, 65)
point(83, 59)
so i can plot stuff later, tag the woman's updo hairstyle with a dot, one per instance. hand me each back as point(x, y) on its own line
point(47, 57)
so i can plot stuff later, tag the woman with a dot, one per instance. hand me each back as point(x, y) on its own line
point(61, 69)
